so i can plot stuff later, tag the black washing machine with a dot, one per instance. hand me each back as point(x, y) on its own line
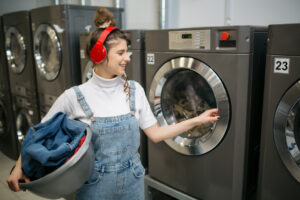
point(279, 172)
point(56, 47)
point(135, 69)
point(189, 71)
point(18, 46)
point(8, 141)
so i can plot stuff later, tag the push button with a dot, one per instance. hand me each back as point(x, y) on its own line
point(225, 36)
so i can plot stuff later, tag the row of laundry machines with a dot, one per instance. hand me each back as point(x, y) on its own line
point(251, 74)
point(39, 60)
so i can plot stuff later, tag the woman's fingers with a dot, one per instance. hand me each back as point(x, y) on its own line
point(27, 180)
point(14, 178)
point(213, 111)
point(14, 185)
point(214, 119)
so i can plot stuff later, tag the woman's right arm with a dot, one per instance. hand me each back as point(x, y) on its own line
point(16, 176)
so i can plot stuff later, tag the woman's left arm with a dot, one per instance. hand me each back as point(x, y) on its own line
point(158, 133)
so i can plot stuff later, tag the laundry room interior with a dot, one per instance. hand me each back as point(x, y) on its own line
point(185, 58)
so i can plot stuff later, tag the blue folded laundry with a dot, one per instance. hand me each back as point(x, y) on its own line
point(47, 145)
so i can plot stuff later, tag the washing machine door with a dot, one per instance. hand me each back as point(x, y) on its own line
point(23, 122)
point(3, 120)
point(88, 72)
point(47, 52)
point(287, 130)
point(183, 88)
point(15, 50)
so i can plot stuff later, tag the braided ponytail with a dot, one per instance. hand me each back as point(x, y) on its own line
point(126, 86)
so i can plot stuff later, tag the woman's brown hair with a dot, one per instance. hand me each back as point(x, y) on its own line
point(102, 16)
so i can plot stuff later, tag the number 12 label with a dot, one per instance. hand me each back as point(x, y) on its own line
point(282, 65)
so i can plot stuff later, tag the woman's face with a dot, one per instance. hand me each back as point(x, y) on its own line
point(117, 59)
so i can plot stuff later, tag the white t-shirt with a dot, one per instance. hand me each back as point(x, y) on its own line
point(106, 98)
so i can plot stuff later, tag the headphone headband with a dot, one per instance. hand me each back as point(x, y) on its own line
point(98, 52)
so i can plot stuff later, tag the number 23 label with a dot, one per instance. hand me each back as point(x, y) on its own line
point(282, 65)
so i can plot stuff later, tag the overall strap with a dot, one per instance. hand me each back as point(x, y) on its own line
point(132, 97)
point(85, 107)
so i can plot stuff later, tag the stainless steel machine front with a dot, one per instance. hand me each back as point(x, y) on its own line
point(279, 166)
point(189, 71)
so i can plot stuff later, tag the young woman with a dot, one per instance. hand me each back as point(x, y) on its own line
point(115, 108)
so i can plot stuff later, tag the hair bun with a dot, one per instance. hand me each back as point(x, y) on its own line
point(104, 18)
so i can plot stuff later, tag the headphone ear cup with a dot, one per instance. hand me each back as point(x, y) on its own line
point(98, 53)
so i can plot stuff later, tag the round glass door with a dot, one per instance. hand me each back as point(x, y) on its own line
point(287, 130)
point(88, 72)
point(3, 120)
point(184, 88)
point(47, 52)
point(15, 50)
point(23, 122)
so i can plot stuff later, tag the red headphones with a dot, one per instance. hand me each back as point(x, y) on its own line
point(98, 52)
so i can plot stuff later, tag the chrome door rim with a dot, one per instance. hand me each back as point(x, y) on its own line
point(40, 62)
point(283, 129)
point(11, 60)
point(184, 145)
point(21, 135)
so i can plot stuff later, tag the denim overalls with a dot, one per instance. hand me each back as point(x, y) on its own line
point(118, 172)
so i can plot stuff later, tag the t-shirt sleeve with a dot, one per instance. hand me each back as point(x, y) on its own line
point(146, 118)
point(62, 104)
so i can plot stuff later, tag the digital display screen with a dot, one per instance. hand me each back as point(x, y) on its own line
point(186, 36)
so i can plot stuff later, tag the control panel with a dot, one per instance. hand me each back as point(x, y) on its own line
point(190, 40)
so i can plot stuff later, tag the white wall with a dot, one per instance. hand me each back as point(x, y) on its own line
point(264, 12)
point(104, 3)
point(194, 13)
point(7, 6)
point(141, 14)
point(144, 14)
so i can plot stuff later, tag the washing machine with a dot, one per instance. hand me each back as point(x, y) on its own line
point(189, 71)
point(134, 71)
point(18, 47)
point(56, 47)
point(8, 141)
point(279, 171)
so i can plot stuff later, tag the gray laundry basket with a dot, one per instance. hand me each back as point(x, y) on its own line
point(69, 177)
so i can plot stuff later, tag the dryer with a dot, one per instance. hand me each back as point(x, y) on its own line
point(56, 47)
point(18, 46)
point(279, 172)
point(135, 69)
point(189, 71)
point(8, 141)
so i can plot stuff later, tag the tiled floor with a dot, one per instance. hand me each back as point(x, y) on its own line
point(5, 193)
